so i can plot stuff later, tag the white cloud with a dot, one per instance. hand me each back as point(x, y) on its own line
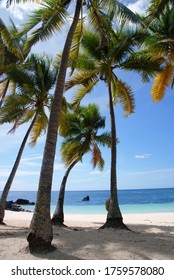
point(139, 6)
point(5, 173)
point(142, 156)
point(31, 161)
point(20, 11)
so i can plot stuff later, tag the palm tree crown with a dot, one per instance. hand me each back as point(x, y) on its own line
point(159, 42)
point(11, 54)
point(82, 135)
point(34, 80)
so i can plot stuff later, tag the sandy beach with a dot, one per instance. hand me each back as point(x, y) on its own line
point(151, 238)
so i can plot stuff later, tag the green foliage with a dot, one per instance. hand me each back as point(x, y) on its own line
point(96, 64)
point(159, 43)
point(49, 17)
point(81, 135)
point(34, 80)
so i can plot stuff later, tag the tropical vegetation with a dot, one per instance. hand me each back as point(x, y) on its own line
point(80, 131)
point(11, 54)
point(100, 63)
point(159, 43)
point(41, 233)
point(30, 102)
point(113, 47)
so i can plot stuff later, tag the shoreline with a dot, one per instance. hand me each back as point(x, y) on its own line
point(94, 221)
point(151, 238)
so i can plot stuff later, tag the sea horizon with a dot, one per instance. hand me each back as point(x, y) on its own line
point(154, 200)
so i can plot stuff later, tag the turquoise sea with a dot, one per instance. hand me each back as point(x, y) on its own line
point(131, 201)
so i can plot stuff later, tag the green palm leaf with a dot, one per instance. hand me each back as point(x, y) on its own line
point(9, 41)
point(51, 16)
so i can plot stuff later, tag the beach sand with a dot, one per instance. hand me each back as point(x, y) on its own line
point(151, 238)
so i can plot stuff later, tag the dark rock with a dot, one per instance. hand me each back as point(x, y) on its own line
point(32, 203)
point(8, 205)
point(15, 206)
point(86, 198)
point(21, 201)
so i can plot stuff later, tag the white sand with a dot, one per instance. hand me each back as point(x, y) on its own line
point(151, 238)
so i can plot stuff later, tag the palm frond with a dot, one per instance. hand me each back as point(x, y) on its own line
point(161, 82)
point(39, 127)
point(80, 77)
point(120, 10)
point(70, 150)
point(97, 159)
point(10, 42)
point(82, 91)
point(51, 16)
point(90, 44)
point(157, 7)
point(75, 46)
point(82, 63)
point(124, 94)
point(104, 139)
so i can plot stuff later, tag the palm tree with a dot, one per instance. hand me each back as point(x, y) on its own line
point(10, 55)
point(30, 102)
point(51, 15)
point(96, 64)
point(81, 137)
point(159, 42)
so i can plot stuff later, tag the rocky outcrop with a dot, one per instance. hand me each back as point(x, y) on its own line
point(15, 206)
point(21, 201)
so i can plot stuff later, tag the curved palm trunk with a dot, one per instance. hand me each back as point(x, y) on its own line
point(58, 216)
point(12, 174)
point(114, 217)
point(41, 234)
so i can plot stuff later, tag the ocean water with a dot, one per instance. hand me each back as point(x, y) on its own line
point(130, 201)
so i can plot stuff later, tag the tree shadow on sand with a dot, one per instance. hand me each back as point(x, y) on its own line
point(87, 243)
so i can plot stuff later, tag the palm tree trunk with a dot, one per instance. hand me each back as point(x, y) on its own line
point(114, 217)
point(13, 172)
point(58, 216)
point(41, 234)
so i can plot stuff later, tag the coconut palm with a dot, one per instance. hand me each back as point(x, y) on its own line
point(99, 64)
point(159, 42)
point(10, 55)
point(80, 137)
point(95, 65)
point(32, 98)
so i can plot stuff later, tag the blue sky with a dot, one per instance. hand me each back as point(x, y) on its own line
point(145, 152)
